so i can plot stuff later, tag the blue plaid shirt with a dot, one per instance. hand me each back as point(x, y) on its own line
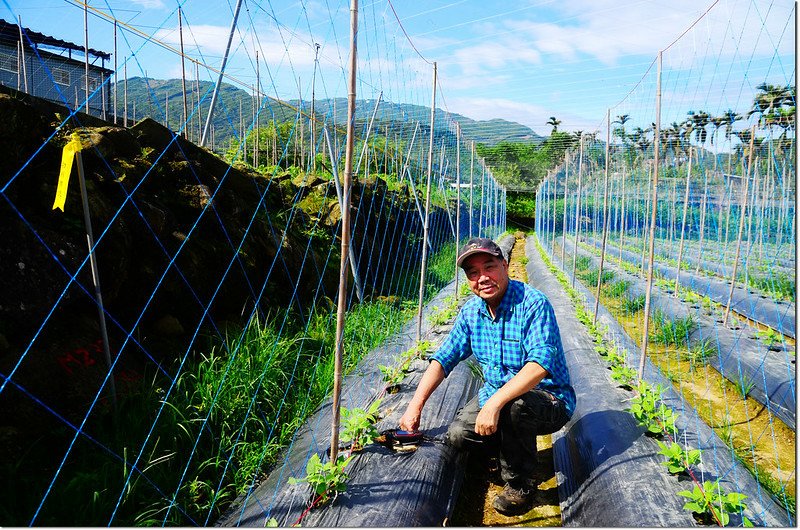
point(524, 330)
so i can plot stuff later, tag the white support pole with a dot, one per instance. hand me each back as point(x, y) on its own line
point(427, 213)
point(221, 74)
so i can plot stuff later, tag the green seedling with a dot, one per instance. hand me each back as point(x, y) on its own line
point(744, 384)
point(712, 505)
point(650, 412)
point(358, 425)
point(624, 375)
point(632, 305)
point(326, 480)
point(583, 262)
point(615, 359)
point(672, 332)
point(605, 278)
point(392, 376)
point(678, 458)
point(700, 353)
point(770, 337)
point(618, 289)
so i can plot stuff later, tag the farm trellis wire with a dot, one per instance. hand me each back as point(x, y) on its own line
point(710, 250)
point(217, 275)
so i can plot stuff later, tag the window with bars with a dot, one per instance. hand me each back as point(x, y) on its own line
point(8, 61)
point(61, 76)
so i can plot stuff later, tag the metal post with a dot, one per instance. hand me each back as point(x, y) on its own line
point(369, 130)
point(125, 95)
point(221, 74)
point(86, 49)
point(116, 72)
point(427, 213)
point(313, 116)
point(183, 75)
point(348, 175)
point(338, 186)
point(95, 277)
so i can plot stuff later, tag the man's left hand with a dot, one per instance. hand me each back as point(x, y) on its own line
point(487, 419)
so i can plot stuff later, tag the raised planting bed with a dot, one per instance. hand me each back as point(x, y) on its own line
point(735, 351)
point(384, 488)
point(742, 430)
point(775, 314)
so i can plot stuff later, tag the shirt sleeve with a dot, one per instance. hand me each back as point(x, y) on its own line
point(456, 346)
point(540, 343)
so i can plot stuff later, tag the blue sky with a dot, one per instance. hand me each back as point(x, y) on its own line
point(519, 60)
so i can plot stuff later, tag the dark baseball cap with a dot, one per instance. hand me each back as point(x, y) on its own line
point(479, 245)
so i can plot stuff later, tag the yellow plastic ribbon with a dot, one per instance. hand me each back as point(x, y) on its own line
point(72, 147)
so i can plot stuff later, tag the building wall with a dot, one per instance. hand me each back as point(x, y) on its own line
point(56, 78)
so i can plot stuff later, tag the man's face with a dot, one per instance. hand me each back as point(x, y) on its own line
point(488, 277)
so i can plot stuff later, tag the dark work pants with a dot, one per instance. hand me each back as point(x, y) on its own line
point(521, 421)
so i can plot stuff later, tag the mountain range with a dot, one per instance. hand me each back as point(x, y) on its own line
point(162, 100)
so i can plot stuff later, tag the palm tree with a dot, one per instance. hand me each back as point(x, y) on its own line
point(554, 122)
point(699, 122)
point(620, 131)
point(770, 99)
point(728, 118)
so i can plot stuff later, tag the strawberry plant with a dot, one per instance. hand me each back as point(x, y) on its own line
point(712, 505)
point(326, 480)
point(678, 458)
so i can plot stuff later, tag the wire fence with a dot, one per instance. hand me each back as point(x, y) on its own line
point(168, 324)
point(678, 214)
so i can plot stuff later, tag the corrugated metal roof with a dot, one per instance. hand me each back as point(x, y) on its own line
point(9, 32)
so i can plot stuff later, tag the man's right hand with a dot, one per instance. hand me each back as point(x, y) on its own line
point(430, 380)
point(410, 420)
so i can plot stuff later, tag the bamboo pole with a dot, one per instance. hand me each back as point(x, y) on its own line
point(425, 237)
point(653, 208)
point(605, 217)
point(577, 211)
point(471, 184)
point(741, 224)
point(24, 60)
point(458, 201)
point(683, 222)
point(703, 207)
point(564, 220)
point(348, 175)
point(624, 220)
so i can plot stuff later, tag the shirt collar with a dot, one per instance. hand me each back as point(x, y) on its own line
point(506, 304)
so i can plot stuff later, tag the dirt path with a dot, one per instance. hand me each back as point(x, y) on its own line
point(482, 482)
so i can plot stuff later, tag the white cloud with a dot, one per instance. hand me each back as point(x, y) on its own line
point(150, 4)
point(531, 115)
